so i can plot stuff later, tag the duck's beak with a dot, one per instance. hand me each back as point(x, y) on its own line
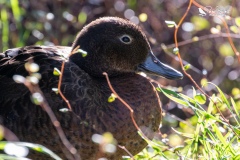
point(154, 66)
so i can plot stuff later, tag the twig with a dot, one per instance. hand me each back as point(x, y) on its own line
point(75, 50)
point(8, 134)
point(125, 149)
point(59, 87)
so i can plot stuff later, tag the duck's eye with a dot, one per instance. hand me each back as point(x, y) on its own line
point(126, 39)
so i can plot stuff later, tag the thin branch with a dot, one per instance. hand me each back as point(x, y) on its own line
point(125, 149)
point(59, 87)
point(8, 134)
point(75, 50)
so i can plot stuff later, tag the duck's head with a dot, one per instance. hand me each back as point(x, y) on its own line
point(117, 46)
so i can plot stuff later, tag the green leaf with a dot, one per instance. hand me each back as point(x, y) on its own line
point(55, 90)
point(225, 49)
point(210, 106)
point(64, 110)
point(222, 95)
point(200, 98)
point(187, 67)
point(158, 89)
point(174, 97)
point(187, 98)
point(234, 106)
point(82, 17)
point(188, 135)
point(204, 82)
point(210, 116)
point(237, 21)
point(56, 72)
point(236, 157)
point(170, 24)
point(236, 110)
point(200, 23)
point(112, 98)
point(194, 92)
point(84, 53)
point(234, 29)
point(175, 50)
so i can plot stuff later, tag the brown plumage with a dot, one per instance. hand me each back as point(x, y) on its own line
point(115, 46)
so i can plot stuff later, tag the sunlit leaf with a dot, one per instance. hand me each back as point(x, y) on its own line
point(175, 50)
point(204, 82)
point(170, 24)
point(55, 90)
point(222, 95)
point(225, 49)
point(200, 98)
point(64, 110)
point(234, 29)
point(174, 97)
point(56, 72)
point(82, 17)
point(237, 21)
point(210, 106)
point(187, 67)
point(235, 108)
point(84, 53)
point(200, 23)
point(188, 135)
point(112, 98)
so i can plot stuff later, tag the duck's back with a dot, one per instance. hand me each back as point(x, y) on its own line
point(12, 62)
point(30, 122)
point(92, 113)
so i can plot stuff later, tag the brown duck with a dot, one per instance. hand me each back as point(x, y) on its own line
point(113, 45)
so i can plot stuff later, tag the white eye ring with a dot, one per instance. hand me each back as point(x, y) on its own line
point(126, 39)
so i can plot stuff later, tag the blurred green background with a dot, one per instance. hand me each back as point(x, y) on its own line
point(44, 22)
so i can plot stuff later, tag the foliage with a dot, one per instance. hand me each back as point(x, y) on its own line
point(209, 126)
point(206, 134)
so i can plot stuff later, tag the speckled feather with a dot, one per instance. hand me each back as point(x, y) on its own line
point(88, 94)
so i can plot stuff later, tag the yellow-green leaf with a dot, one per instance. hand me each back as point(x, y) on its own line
point(112, 98)
point(200, 98)
point(170, 24)
point(56, 72)
point(187, 67)
point(200, 23)
point(237, 21)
